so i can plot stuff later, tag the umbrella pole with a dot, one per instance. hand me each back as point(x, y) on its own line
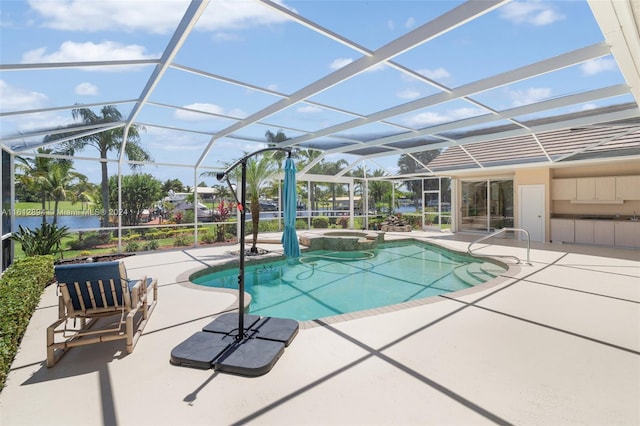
point(243, 214)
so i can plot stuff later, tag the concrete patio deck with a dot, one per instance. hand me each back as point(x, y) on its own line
point(557, 342)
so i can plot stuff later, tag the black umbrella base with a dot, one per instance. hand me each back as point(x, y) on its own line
point(220, 346)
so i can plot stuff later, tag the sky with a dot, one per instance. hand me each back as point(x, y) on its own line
point(258, 56)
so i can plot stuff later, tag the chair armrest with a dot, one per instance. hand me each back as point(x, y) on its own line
point(138, 290)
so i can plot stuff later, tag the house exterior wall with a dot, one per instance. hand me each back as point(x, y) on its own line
point(545, 175)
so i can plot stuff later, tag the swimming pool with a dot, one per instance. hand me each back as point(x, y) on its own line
point(326, 283)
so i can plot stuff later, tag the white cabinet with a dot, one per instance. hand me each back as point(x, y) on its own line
point(563, 189)
point(627, 234)
point(584, 231)
point(596, 189)
point(595, 232)
point(604, 232)
point(562, 230)
point(628, 187)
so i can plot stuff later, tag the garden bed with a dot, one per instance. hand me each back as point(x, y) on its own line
point(99, 258)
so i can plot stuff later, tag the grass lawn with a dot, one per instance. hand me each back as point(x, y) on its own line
point(64, 208)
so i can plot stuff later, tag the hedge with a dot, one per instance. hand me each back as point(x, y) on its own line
point(21, 286)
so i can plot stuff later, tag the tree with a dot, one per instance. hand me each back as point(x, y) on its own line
point(408, 165)
point(33, 175)
point(60, 178)
point(174, 185)
point(104, 142)
point(49, 177)
point(85, 192)
point(379, 190)
point(139, 192)
point(259, 173)
point(332, 169)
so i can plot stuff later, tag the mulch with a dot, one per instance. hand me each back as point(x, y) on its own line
point(89, 259)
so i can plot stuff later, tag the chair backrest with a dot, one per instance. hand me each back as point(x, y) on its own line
point(94, 286)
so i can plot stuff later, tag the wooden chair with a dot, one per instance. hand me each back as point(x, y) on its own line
point(91, 291)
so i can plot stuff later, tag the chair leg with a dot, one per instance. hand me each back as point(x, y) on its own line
point(129, 331)
point(52, 356)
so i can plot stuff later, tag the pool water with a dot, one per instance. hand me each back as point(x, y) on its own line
point(326, 283)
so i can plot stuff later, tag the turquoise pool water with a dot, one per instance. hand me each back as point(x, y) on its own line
point(326, 283)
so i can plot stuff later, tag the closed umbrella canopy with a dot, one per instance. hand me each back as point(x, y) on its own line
point(289, 237)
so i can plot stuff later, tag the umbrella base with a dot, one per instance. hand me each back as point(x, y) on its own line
point(219, 346)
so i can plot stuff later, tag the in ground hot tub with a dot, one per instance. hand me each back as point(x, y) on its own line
point(343, 240)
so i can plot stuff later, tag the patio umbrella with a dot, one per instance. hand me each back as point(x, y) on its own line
point(289, 237)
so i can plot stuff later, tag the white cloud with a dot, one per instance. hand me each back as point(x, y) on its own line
point(309, 109)
point(410, 23)
point(587, 107)
point(235, 15)
point(177, 142)
point(340, 62)
point(207, 108)
point(86, 89)
point(408, 94)
point(435, 74)
point(535, 13)
point(273, 87)
point(71, 51)
point(598, 65)
point(529, 96)
point(391, 26)
point(159, 17)
point(430, 118)
point(222, 37)
point(15, 98)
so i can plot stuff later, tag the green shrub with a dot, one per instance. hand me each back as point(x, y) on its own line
point(89, 240)
point(431, 219)
point(181, 241)
point(301, 224)
point(40, 241)
point(413, 219)
point(131, 237)
point(20, 288)
point(268, 226)
point(132, 246)
point(151, 245)
point(321, 222)
point(207, 237)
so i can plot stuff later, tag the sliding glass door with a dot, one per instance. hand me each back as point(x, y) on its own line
point(486, 205)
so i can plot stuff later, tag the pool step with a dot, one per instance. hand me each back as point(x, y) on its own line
point(473, 274)
point(492, 269)
point(463, 274)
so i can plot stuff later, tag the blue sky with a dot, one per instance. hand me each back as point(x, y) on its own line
point(250, 43)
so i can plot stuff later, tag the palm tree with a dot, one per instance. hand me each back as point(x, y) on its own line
point(84, 192)
point(50, 178)
point(259, 173)
point(60, 179)
point(378, 189)
point(332, 169)
point(104, 142)
point(33, 175)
